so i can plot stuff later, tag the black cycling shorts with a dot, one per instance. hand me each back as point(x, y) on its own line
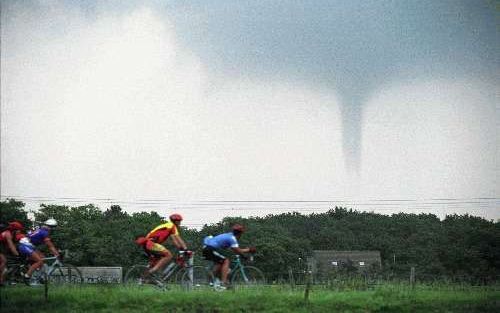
point(211, 254)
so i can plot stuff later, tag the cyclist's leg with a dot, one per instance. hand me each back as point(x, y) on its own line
point(34, 256)
point(37, 259)
point(225, 271)
point(3, 265)
point(160, 251)
point(219, 260)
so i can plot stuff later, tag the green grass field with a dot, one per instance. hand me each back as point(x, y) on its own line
point(389, 298)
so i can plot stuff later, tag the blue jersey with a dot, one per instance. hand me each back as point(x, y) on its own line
point(222, 241)
point(37, 237)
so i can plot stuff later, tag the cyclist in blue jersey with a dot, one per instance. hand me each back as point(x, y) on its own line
point(28, 246)
point(212, 247)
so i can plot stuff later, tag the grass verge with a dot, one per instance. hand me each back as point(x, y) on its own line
point(113, 298)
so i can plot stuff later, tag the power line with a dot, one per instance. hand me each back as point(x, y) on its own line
point(440, 206)
point(226, 202)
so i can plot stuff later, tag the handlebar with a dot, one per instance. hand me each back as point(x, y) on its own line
point(249, 258)
point(48, 258)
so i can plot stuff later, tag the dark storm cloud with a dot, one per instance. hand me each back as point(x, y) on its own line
point(355, 47)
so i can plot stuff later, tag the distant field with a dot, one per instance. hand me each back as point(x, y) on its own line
point(264, 299)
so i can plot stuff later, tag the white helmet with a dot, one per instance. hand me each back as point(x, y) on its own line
point(50, 222)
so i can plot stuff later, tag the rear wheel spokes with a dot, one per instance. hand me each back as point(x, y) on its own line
point(14, 274)
point(136, 275)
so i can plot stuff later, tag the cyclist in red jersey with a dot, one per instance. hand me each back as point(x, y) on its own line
point(7, 239)
point(152, 243)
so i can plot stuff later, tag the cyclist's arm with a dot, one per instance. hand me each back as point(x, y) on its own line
point(178, 242)
point(240, 251)
point(51, 247)
point(10, 244)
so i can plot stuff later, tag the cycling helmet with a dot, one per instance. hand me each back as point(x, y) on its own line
point(50, 222)
point(175, 217)
point(15, 226)
point(237, 228)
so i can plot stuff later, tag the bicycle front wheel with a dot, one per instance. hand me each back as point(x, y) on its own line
point(68, 274)
point(249, 277)
point(197, 279)
point(136, 275)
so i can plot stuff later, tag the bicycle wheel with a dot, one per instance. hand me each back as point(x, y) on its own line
point(198, 280)
point(253, 277)
point(136, 275)
point(67, 274)
point(13, 276)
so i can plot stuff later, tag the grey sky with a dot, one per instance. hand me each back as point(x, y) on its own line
point(355, 47)
point(189, 101)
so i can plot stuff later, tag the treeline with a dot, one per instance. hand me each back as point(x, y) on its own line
point(458, 246)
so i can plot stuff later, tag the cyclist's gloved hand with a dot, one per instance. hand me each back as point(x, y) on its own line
point(252, 250)
point(60, 256)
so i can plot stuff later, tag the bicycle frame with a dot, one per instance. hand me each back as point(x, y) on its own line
point(169, 270)
point(49, 269)
point(183, 260)
point(53, 268)
point(239, 266)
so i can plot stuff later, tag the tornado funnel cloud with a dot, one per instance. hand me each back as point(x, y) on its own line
point(351, 136)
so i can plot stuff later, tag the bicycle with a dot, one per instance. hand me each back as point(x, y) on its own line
point(56, 272)
point(16, 266)
point(240, 275)
point(245, 275)
point(180, 270)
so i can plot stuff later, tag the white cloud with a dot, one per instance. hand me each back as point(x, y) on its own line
point(116, 107)
point(431, 139)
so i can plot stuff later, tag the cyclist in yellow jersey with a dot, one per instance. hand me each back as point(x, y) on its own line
point(152, 243)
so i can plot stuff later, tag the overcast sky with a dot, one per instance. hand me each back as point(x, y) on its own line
point(169, 105)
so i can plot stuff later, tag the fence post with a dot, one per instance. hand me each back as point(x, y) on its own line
point(190, 271)
point(412, 277)
point(290, 277)
point(309, 278)
point(308, 285)
point(46, 285)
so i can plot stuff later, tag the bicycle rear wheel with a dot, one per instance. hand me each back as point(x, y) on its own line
point(199, 279)
point(252, 277)
point(13, 276)
point(135, 275)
